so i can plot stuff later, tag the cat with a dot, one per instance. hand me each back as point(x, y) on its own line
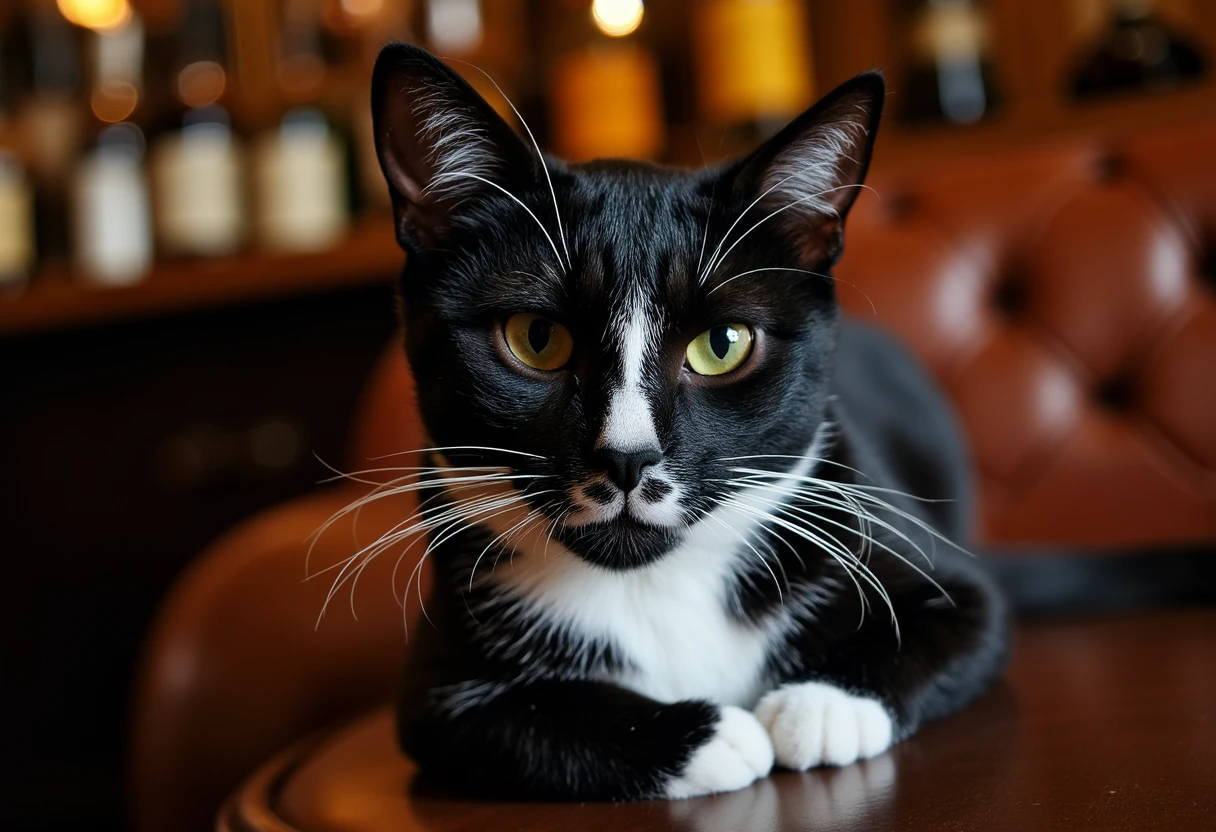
point(686, 522)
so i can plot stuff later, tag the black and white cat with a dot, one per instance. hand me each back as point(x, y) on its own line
point(666, 504)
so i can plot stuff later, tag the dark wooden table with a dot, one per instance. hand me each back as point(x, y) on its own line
point(1101, 724)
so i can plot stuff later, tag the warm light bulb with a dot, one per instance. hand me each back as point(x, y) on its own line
point(96, 14)
point(617, 18)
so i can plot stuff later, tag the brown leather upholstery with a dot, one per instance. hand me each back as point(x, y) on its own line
point(1101, 725)
point(238, 666)
point(1064, 297)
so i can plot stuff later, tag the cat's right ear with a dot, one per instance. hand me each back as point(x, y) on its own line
point(439, 143)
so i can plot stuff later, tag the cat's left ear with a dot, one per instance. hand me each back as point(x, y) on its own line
point(808, 175)
point(441, 145)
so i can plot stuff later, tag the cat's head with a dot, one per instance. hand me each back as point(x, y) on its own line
point(627, 335)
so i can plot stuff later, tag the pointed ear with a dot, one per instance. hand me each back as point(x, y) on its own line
point(440, 144)
point(809, 174)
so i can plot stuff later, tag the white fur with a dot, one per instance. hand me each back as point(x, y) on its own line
point(814, 724)
point(667, 512)
point(670, 619)
point(738, 754)
point(804, 175)
point(630, 424)
point(459, 146)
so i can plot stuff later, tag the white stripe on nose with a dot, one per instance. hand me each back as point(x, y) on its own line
point(629, 425)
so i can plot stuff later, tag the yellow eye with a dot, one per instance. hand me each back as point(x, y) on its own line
point(537, 341)
point(720, 349)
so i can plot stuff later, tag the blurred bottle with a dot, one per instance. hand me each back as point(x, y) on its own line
point(111, 217)
point(949, 75)
point(16, 198)
point(605, 89)
point(1136, 51)
point(44, 54)
point(301, 168)
point(482, 41)
point(753, 67)
point(197, 163)
point(369, 24)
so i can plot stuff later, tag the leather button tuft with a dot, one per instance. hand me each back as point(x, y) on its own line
point(1009, 298)
point(1109, 167)
point(899, 206)
point(1116, 395)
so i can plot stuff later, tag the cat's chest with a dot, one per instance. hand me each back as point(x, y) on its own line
point(669, 624)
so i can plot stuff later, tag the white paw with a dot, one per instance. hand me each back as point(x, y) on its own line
point(814, 724)
point(738, 754)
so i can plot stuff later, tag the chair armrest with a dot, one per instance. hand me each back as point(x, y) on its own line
point(236, 665)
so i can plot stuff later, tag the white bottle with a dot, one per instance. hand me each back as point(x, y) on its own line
point(16, 225)
point(112, 221)
point(301, 183)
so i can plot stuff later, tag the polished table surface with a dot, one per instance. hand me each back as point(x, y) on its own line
point(1101, 724)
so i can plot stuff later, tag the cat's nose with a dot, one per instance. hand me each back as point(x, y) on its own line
point(625, 468)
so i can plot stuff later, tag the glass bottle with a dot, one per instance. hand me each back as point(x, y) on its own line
point(110, 205)
point(753, 65)
point(1135, 52)
point(197, 163)
point(16, 198)
point(949, 77)
point(44, 54)
point(301, 168)
point(604, 82)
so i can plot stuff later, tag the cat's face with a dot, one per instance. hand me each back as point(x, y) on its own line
point(624, 336)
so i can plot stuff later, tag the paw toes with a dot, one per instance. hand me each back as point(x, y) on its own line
point(738, 753)
point(817, 724)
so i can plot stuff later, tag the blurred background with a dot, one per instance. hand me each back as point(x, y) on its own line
point(196, 258)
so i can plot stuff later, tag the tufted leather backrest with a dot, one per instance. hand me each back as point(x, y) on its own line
point(1065, 298)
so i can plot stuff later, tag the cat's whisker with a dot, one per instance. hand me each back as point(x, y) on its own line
point(815, 459)
point(415, 471)
point(809, 197)
point(416, 523)
point(847, 561)
point(440, 539)
point(561, 233)
point(780, 595)
point(459, 522)
point(713, 257)
point(441, 177)
point(402, 531)
point(394, 489)
point(850, 503)
point(506, 534)
point(868, 540)
point(768, 269)
point(448, 448)
point(864, 496)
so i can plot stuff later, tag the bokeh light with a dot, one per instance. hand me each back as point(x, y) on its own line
point(617, 18)
point(96, 14)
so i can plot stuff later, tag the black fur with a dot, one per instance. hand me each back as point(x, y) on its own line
point(498, 698)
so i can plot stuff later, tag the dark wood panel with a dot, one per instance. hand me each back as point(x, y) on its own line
point(127, 449)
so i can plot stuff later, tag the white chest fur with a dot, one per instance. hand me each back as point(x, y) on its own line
point(669, 620)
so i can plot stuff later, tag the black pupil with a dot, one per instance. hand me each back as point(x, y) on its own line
point(538, 334)
point(720, 339)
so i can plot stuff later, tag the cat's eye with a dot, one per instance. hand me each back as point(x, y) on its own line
point(540, 343)
point(719, 349)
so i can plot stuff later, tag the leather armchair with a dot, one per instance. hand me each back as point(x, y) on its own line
point(1065, 297)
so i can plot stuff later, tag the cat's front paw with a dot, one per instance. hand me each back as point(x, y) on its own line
point(738, 754)
point(814, 724)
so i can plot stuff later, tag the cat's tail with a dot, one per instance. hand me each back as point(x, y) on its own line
point(1040, 583)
